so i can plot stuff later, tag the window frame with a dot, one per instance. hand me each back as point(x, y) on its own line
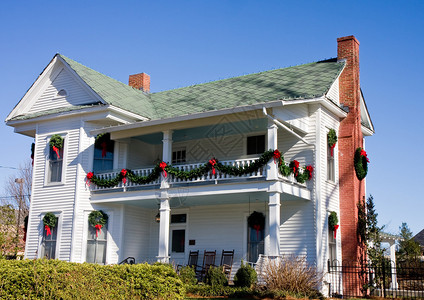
point(113, 147)
point(48, 170)
point(176, 161)
point(179, 226)
point(41, 230)
point(331, 176)
point(97, 242)
point(108, 236)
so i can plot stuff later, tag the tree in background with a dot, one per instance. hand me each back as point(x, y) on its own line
point(7, 232)
point(18, 195)
point(409, 249)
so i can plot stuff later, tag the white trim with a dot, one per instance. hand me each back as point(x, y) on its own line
point(318, 200)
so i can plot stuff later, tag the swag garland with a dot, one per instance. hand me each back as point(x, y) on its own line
point(211, 165)
point(361, 163)
point(49, 221)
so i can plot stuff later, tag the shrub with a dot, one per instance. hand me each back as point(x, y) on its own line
point(226, 291)
point(245, 276)
point(54, 279)
point(188, 275)
point(215, 277)
point(291, 274)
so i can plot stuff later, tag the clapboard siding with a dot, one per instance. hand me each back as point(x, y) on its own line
point(333, 93)
point(295, 115)
point(50, 100)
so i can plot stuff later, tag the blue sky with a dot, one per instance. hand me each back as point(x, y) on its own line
point(181, 43)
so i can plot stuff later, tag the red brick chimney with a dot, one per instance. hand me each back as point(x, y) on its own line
point(350, 137)
point(140, 81)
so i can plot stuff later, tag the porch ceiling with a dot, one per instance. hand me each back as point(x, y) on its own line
point(223, 128)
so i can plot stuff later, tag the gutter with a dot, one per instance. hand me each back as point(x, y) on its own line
point(278, 123)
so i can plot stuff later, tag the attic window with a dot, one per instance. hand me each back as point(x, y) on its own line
point(62, 93)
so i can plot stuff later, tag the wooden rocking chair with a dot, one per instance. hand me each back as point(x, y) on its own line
point(193, 258)
point(208, 261)
point(227, 258)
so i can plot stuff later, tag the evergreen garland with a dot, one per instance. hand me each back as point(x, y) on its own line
point(207, 167)
point(333, 220)
point(97, 217)
point(361, 163)
point(50, 220)
point(56, 141)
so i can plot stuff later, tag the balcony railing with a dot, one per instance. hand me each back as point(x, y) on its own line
point(209, 177)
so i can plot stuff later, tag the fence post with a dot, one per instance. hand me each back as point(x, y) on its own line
point(383, 292)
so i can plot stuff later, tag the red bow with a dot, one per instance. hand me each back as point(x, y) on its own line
point(162, 165)
point(296, 167)
point(310, 169)
point(104, 148)
point(124, 173)
point(98, 227)
point(363, 153)
point(257, 228)
point(335, 230)
point(277, 155)
point(55, 149)
point(332, 148)
point(90, 175)
point(213, 163)
point(47, 228)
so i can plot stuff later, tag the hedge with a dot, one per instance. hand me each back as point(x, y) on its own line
point(54, 279)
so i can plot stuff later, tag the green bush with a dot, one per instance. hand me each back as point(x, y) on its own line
point(216, 291)
point(188, 275)
point(245, 276)
point(215, 277)
point(54, 279)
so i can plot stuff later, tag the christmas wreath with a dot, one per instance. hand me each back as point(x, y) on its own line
point(56, 143)
point(97, 219)
point(104, 143)
point(361, 163)
point(49, 221)
point(256, 221)
point(333, 221)
point(332, 139)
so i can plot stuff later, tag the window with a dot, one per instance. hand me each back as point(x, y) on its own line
point(332, 252)
point(179, 156)
point(103, 153)
point(330, 164)
point(178, 223)
point(255, 243)
point(255, 144)
point(55, 164)
point(48, 244)
point(96, 245)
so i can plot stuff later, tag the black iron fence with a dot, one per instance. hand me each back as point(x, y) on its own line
point(383, 279)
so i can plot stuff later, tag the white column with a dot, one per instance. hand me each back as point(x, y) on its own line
point(166, 155)
point(272, 168)
point(274, 224)
point(163, 254)
point(394, 283)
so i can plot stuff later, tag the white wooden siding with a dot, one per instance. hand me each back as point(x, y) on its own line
point(333, 93)
point(295, 115)
point(50, 100)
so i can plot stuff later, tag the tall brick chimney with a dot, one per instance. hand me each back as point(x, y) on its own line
point(350, 137)
point(140, 81)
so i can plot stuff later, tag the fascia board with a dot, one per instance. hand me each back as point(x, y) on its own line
point(327, 103)
point(186, 117)
point(366, 131)
point(367, 114)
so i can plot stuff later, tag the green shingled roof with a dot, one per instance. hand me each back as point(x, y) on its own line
point(298, 82)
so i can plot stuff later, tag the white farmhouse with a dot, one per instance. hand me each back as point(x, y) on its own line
point(208, 132)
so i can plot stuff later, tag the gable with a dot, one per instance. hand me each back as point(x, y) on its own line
point(73, 94)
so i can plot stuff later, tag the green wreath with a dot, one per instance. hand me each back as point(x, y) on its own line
point(50, 220)
point(97, 217)
point(333, 220)
point(331, 138)
point(361, 163)
point(56, 141)
point(256, 221)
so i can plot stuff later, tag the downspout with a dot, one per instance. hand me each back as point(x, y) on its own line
point(278, 123)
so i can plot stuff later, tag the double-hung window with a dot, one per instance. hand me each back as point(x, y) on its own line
point(330, 164)
point(255, 144)
point(96, 245)
point(103, 153)
point(48, 244)
point(55, 164)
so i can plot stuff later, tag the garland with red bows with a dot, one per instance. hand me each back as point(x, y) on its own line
point(361, 163)
point(212, 165)
point(56, 143)
point(49, 221)
point(97, 219)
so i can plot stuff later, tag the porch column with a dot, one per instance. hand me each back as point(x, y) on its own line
point(394, 283)
point(272, 168)
point(163, 255)
point(274, 224)
point(166, 154)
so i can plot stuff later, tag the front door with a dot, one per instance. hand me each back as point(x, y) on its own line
point(178, 238)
